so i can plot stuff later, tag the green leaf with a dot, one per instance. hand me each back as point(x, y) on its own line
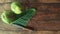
point(26, 18)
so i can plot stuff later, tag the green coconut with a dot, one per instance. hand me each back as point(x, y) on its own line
point(8, 16)
point(16, 7)
point(5, 17)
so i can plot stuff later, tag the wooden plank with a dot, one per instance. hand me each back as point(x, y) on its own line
point(44, 1)
point(47, 17)
point(49, 1)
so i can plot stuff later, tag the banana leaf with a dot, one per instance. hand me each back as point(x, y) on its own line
point(23, 21)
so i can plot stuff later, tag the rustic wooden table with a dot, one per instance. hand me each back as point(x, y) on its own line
point(10, 29)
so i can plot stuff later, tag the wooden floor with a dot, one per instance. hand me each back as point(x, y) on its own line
point(11, 29)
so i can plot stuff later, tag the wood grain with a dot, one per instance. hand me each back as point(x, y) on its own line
point(47, 17)
point(44, 1)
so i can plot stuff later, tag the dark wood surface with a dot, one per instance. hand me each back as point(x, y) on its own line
point(47, 17)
